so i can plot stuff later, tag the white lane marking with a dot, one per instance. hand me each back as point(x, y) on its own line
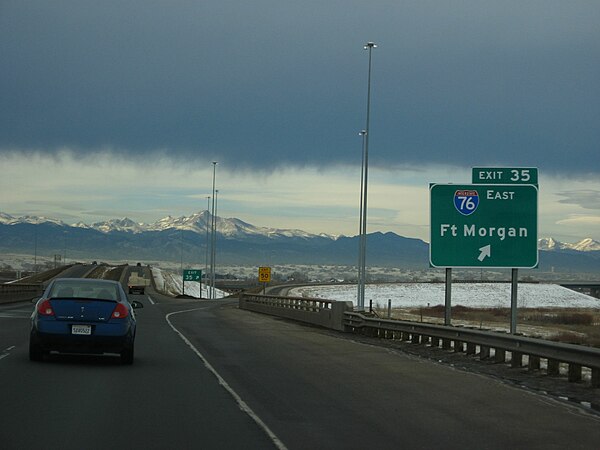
point(14, 315)
point(6, 353)
point(151, 301)
point(241, 403)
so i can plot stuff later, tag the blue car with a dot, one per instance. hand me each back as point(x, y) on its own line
point(78, 315)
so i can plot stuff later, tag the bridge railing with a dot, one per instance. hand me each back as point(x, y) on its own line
point(483, 343)
point(326, 313)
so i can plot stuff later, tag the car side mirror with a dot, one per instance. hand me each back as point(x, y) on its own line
point(136, 305)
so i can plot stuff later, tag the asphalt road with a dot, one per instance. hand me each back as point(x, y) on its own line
point(166, 400)
point(208, 375)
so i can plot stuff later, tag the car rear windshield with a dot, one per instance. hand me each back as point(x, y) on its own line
point(74, 289)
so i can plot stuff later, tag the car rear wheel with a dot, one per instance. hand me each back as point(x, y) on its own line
point(35, 352)
point(127, 355)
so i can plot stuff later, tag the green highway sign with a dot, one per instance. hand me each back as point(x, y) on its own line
point(505, 175)
point(192, 274)
point(476, 225)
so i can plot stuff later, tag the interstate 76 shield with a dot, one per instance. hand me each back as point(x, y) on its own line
point(466, 201)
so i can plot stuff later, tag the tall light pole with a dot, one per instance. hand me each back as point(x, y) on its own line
point(214, 248)
point(212, 231)
point(35, 248)
point(362, 133)
point(181, 248)
point(65, 255)
point(206, 259)
point(363, 238)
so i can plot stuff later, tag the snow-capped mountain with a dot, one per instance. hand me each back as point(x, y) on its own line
point(585, 245)
point(549, 244)
point(199, 222)
point(124, 224)
point(7, 219)
point(238, 242)
point(235, 228)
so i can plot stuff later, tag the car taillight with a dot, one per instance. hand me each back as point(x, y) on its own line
point(45, 308)
point(120, 312)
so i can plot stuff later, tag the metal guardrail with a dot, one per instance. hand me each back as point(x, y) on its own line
point(340, 316)
point(13, 292)
point(465, 339)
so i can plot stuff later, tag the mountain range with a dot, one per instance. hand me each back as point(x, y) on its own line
point(238, 242)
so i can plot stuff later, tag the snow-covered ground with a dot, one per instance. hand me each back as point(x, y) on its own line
point(475, 295)
point(171, 283)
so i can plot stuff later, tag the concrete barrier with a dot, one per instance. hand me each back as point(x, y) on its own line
point(325, 313)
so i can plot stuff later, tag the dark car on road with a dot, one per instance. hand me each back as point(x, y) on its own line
point(76, 315)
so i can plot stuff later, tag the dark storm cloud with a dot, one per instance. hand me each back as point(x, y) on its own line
point(274, 82)
point(585, 198)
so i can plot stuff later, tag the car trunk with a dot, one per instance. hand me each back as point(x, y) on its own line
point(85, 310)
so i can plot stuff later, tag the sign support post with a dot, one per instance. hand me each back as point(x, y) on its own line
point(513, 301)
point(448, 304)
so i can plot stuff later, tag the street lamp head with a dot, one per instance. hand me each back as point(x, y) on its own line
point(362, 133)
point(369, 45)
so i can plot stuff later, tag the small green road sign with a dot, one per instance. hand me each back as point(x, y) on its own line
point(505, 175)
point(192, 275)
point(483, 225)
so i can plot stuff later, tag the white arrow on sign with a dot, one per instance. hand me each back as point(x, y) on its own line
point(485, 252)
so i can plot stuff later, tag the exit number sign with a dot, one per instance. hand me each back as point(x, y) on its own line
point(505, 175)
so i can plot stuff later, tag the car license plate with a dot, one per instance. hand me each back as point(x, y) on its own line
point(81, 329)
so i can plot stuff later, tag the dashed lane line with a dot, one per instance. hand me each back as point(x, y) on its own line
point(6, 352)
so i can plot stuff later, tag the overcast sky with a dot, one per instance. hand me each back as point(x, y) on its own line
point(117, 108)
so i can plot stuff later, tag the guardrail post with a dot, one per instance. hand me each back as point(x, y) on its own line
point(416, 338)
point(595, 377)
point(500, 355)
point(446, 344)
point(435, 341)
point(553, 367)
point(458, 346)
point(534, 363)
point(574, 372)
point(471, 348)
point(484, 352)
point(516, 359)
